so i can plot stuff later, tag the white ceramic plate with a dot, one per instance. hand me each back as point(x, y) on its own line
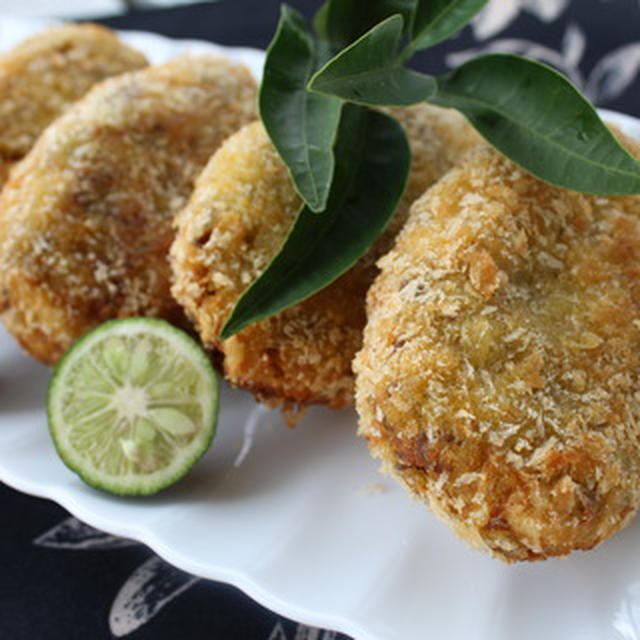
point(300, 519)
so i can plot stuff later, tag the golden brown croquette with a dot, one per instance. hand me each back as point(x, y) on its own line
point(498, 380)
point(85, 219)
point(240, 213)
point(46, 74)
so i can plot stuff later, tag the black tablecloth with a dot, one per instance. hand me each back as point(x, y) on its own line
point(60, 579)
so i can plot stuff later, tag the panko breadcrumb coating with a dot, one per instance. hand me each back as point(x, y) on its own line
point(498, 380)
point(44, 75)
point(85, 219)
point(236, 220)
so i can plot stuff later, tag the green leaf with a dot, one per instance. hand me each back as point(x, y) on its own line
point(536, 117)
point(370, 72)
point(437, 20)
point(301, 125)
point(372, 164)
point(347, 20)
point(320, 21)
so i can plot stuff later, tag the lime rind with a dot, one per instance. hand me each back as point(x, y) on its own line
point(182, 436)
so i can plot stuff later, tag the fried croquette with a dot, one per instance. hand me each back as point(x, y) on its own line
point(86, 217)
point(241, 211)
point(498, 380)
point(44, 75)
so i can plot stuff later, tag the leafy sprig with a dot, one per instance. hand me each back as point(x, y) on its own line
point(527, 110)
point(340, 155)
point(348, 163)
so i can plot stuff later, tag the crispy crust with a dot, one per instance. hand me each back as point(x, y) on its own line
point(5, 168)
point(44, 75)
point(239, 214)
point(85, 219)
point(498, 380)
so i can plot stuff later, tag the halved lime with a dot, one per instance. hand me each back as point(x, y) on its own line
point(132, 405)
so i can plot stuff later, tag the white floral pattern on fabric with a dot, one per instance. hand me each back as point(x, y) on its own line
point(499, 14)
point(567, 60)
point(609, 78)
point(73, 534)
point(302, 633)
point(614, 73)
point(151, 586)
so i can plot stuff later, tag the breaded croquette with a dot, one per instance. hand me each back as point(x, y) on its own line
point(46, 74)
point(85, 219)
point(498, 380)
point(241, 211)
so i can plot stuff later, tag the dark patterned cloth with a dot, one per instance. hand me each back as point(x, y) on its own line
point(63, 580)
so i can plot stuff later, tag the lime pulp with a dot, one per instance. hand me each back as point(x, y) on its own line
point(132, 406)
